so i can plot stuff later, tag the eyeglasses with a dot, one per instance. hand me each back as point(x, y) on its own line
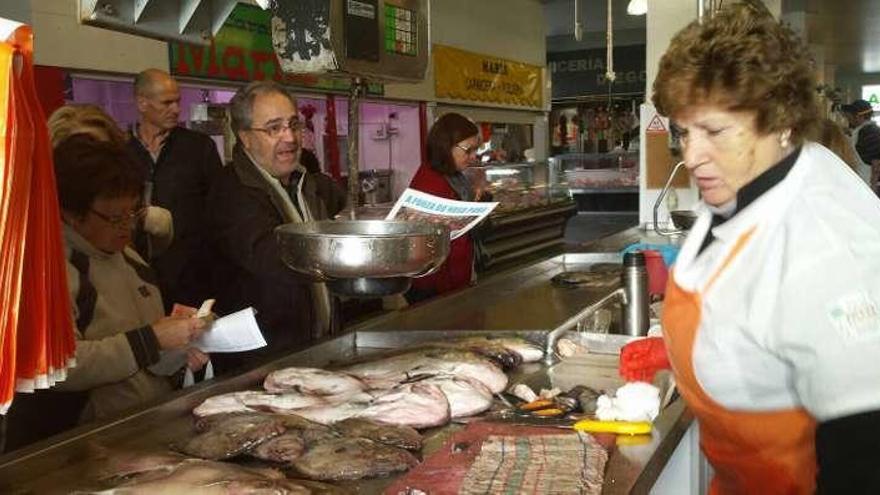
point(467, 149)
point(121, 221)
point(276, 128)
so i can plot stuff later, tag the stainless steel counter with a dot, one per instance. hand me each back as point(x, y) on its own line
point(517, 299)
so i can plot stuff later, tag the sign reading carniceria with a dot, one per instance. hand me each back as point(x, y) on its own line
point(464, 75)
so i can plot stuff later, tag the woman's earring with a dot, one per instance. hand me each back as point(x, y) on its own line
point(785, 138)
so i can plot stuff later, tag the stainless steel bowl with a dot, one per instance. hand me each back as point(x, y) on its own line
point(364, 258)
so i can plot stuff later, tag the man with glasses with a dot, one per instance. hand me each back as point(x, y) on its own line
point(178, 165)
point(267, 186)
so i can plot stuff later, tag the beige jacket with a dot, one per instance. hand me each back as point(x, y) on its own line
point(124, 297)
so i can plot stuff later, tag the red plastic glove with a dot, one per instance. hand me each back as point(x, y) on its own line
point(641, 359)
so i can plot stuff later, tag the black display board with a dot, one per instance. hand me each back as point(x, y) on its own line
point(582, 72)
point(362, 30)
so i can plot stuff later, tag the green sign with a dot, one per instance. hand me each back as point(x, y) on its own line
point(242, 51)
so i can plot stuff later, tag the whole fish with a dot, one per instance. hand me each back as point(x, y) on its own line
point(528, 352)
point(418, 405)
point(388, 371)
point(290, 421)
point(329, 414)
point(503, 357)
point(224, 403)
point(198, 477)
point(415, 405)
point(402, 437)
point(112, 467)
point(352, 458)
point(232, 435)
point(284, 448)
point(313, 381)
point(465, 395)
point(254, 400)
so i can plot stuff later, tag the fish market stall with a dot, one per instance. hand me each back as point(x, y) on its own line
point(83, 459)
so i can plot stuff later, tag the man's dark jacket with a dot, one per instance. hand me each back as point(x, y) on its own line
point(244, 211)
point(181, 179)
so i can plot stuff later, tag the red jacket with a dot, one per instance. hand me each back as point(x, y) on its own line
point(457, 270)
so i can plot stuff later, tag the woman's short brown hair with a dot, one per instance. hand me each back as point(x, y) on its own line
point(74, 119)
point(449, 130)
point(86, 169)
point(741, 59)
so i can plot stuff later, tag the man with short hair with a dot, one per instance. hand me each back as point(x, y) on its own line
point(178, 167)
point(264, 187)
point(865, 136)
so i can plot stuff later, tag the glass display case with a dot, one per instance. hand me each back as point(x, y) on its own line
point(520, 186)
point(598, 172)
point(534, 206)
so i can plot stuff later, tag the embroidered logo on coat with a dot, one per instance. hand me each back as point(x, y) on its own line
point(855, 316)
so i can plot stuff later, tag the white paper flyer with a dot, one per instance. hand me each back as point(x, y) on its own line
point(459, 216)
point(232, 333)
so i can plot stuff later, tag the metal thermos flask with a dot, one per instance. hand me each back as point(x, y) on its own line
point(635, 285)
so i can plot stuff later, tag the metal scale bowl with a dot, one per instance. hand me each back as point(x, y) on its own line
point(367, 258)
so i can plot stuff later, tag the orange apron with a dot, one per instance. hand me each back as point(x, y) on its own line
point(751, 452)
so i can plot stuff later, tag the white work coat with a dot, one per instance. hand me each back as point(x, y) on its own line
point(794, 320)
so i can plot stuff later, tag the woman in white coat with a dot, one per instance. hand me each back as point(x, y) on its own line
point(772, 314)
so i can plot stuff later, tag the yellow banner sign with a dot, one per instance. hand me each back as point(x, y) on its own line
point(471, 76)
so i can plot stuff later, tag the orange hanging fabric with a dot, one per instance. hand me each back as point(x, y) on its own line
point(36, 327)
point(13, 221)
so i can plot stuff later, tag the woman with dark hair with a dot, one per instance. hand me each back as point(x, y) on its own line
point(126, 348)
point(771, 320)
point(452, 147)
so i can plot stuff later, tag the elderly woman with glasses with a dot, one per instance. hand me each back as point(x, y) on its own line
point(127, 350)
point(771, 320)
point(452, 147)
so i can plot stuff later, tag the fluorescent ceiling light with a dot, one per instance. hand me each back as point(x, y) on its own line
point(637, 7)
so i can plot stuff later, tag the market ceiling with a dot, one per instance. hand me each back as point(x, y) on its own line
point(849, 29)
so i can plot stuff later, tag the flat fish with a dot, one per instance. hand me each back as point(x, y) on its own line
point(528, 352)
point(290, 421)
point(417, 405)
point(224, 403)
point(232, 435)
point(329, 414)
point(501, 356)
point(287, 402)
point(466, 396)
point(385, 372)
point(402, 437)
point(313, 381)
point(112, 467)
point(284, 448)
point(198, 476)
point(351, 459)
point(254, 400)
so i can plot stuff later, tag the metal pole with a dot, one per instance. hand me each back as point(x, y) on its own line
point(353, 144)
point(700, 8)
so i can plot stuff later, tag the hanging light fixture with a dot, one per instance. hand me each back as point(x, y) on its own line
point(578, 25)
point(637, 7)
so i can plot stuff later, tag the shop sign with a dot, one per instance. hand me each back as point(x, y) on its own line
point(471, 76)
point(242, 51)
point(582, 72)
